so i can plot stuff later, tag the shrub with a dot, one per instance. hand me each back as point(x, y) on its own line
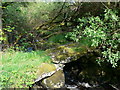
point(103, 32)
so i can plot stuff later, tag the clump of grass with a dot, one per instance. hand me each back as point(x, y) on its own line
point(18, 69)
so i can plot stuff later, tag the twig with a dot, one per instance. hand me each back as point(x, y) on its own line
point(104, 5)
point(114, 87)
point(52, 19)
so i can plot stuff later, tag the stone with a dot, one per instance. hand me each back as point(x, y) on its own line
point(57, 80)
point(50, 76)
point(45, 70)
point(67, 53)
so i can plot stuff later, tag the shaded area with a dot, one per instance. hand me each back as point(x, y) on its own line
point(85, 74)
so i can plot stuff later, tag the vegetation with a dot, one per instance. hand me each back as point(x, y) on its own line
point(19, 68)
point(104, 34)
point(30, 29)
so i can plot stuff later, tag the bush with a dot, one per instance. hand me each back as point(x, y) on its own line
point(103, 32)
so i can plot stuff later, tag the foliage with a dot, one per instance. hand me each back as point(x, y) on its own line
point(28, 14)
point(33, 21)
point(44, 25)
point(3, 37)
point(60, 38)
point(103, 31)
point(26, 19)
point(19, 68)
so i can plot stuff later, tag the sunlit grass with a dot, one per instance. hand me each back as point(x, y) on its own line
point(19, 68)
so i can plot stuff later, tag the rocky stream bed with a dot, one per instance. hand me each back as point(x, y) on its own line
point(74, 67)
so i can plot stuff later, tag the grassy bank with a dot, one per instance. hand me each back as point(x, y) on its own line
point(18, 69)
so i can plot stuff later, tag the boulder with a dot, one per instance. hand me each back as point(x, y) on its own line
point(50, 76)
point(67, 53)
point(57, 80)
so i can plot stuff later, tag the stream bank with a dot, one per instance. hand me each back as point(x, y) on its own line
point(86, 74)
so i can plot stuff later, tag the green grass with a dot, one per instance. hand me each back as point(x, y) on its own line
point(18, 69)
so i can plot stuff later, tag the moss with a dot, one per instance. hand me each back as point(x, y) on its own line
point(60, 56)
point(69, 52)
point(55, 81)
point(45, 68)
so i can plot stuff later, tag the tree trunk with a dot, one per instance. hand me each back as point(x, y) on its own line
point(0, 24)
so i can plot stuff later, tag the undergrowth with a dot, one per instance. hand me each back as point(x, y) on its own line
point(18, 69)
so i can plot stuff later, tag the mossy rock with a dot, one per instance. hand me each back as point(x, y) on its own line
point(57, 80)
point(45, 70)
point(68, 53)
point(49, 76)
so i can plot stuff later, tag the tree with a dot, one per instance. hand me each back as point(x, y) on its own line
point(104, 32)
